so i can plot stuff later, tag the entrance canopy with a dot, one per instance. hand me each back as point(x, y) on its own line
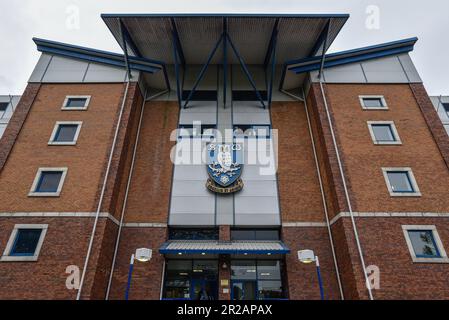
point(150, 35)
point(223, 247)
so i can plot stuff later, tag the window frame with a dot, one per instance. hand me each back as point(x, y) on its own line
point(12, 239)
point(34, 193)
point(436, 239)
point(393, 130)
point(52, 141)
point(67, 98)
point(382, 99)
point(412, 180)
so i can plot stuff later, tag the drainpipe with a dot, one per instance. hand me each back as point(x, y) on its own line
point(323, 197)
point(343, 178)
point(125, 200)
point(103, 189)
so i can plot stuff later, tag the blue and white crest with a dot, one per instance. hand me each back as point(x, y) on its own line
point(224, 163)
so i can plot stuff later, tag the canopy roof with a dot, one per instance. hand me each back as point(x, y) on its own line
point(223, 247)
point(151, 35)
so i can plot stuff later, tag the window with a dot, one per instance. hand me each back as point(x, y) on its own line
point(446, 107)
point(48, 182)
point(262, 234)
point(383, 132)
point(257, 131)
point(193, 234)
point(3, 106)
point(200, 95)
point(65, 133)
point(401, 182)
point(248, 95)
point(76, 103)
point(197, 130)
point(373, 102)
point(424, 243)
point(25, 242)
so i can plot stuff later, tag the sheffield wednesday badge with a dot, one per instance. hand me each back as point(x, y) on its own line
point(224, 165)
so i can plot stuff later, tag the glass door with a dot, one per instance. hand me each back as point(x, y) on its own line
point(244, 290)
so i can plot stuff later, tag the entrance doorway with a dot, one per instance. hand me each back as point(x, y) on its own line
point(201, 289)
point(244, 290)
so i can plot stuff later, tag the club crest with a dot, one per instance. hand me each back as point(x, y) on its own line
point(224, 166)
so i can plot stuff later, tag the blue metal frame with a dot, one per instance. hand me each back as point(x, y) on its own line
point(176, 63)
point(433, 242)
point(270, 45)
point(273, 43)
point(163, 250)
point(218, 15)
point(125, 49)
point(225, 60)
point(203, 70)
point(127, 37)
point(321, 39)
point(245, 70)
point(178, 42)
point(323, 55)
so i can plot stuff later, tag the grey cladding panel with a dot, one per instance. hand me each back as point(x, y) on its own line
point(65, 70)
point(102, 73)
point(345, 74)
point(384, 70)
point(39, 69)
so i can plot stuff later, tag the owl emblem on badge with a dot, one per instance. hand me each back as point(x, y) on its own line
point(223, 168)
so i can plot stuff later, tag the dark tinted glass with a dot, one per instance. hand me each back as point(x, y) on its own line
point(423, 243)
point(263, 234)
point(200, 95)
point(400, 181)
point(248, 95)
point(66, 132)
point(3, 106)
point(26, 242)
point(193, 234)
point(270, 290)
point(243, 269)
point(49, 181)
point(446, 107)
point(383, 132)
point(76, 102)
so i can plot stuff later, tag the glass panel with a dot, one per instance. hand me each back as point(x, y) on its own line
point(243, 234)
point(66, 132)
point(270, 290)
point(49, 181)
point(400, 181)
point(205, 268)
point(249, 290)
point(2, 129)
point(446, 108)
point(3, 106)
point(237, 291)
point(76, 103)
point(243, 269)
point(248, 95)
point(197, 290)
point(269, 269)
point(200, 95)
point(373, 103)
point(383, 132)
point(267, 235)
point(26, 242)
point(193, 234)
point(423, 244)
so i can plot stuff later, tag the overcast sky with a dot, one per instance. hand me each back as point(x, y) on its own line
point(371, 22)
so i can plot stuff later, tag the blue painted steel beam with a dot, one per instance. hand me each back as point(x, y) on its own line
point(246, 71)
point(323, 55)
point(273, 68)
point(113, 62)
point(125, 50)
point(225, 58)
point(176, 63)
point(321, 39)
point(178, 42)
point(337, 62)
point(203, 71)
point(129, 40)
point(270, 45)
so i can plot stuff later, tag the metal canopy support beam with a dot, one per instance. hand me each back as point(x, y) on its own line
point(273, 65)
point(127, 36)
point(323, 56)
point(176, 62)
point(245, 70)
point(178, 42)
point(225, 62)
point(203, 70)
point(321, 39)
point(270, 45)
point(125, 49)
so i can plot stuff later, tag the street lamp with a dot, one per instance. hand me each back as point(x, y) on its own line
point(308, 256)
point(142, 255)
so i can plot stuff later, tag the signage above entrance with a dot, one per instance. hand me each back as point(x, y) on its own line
point(224, 166)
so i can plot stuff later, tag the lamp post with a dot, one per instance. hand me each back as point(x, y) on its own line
point(308, 256)
point(142, 255)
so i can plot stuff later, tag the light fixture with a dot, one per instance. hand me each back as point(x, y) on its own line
point(306, 256)
point(180, 253)
point(224, 266)
point(144, 254)
point(203, 253)
point(269, 254)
